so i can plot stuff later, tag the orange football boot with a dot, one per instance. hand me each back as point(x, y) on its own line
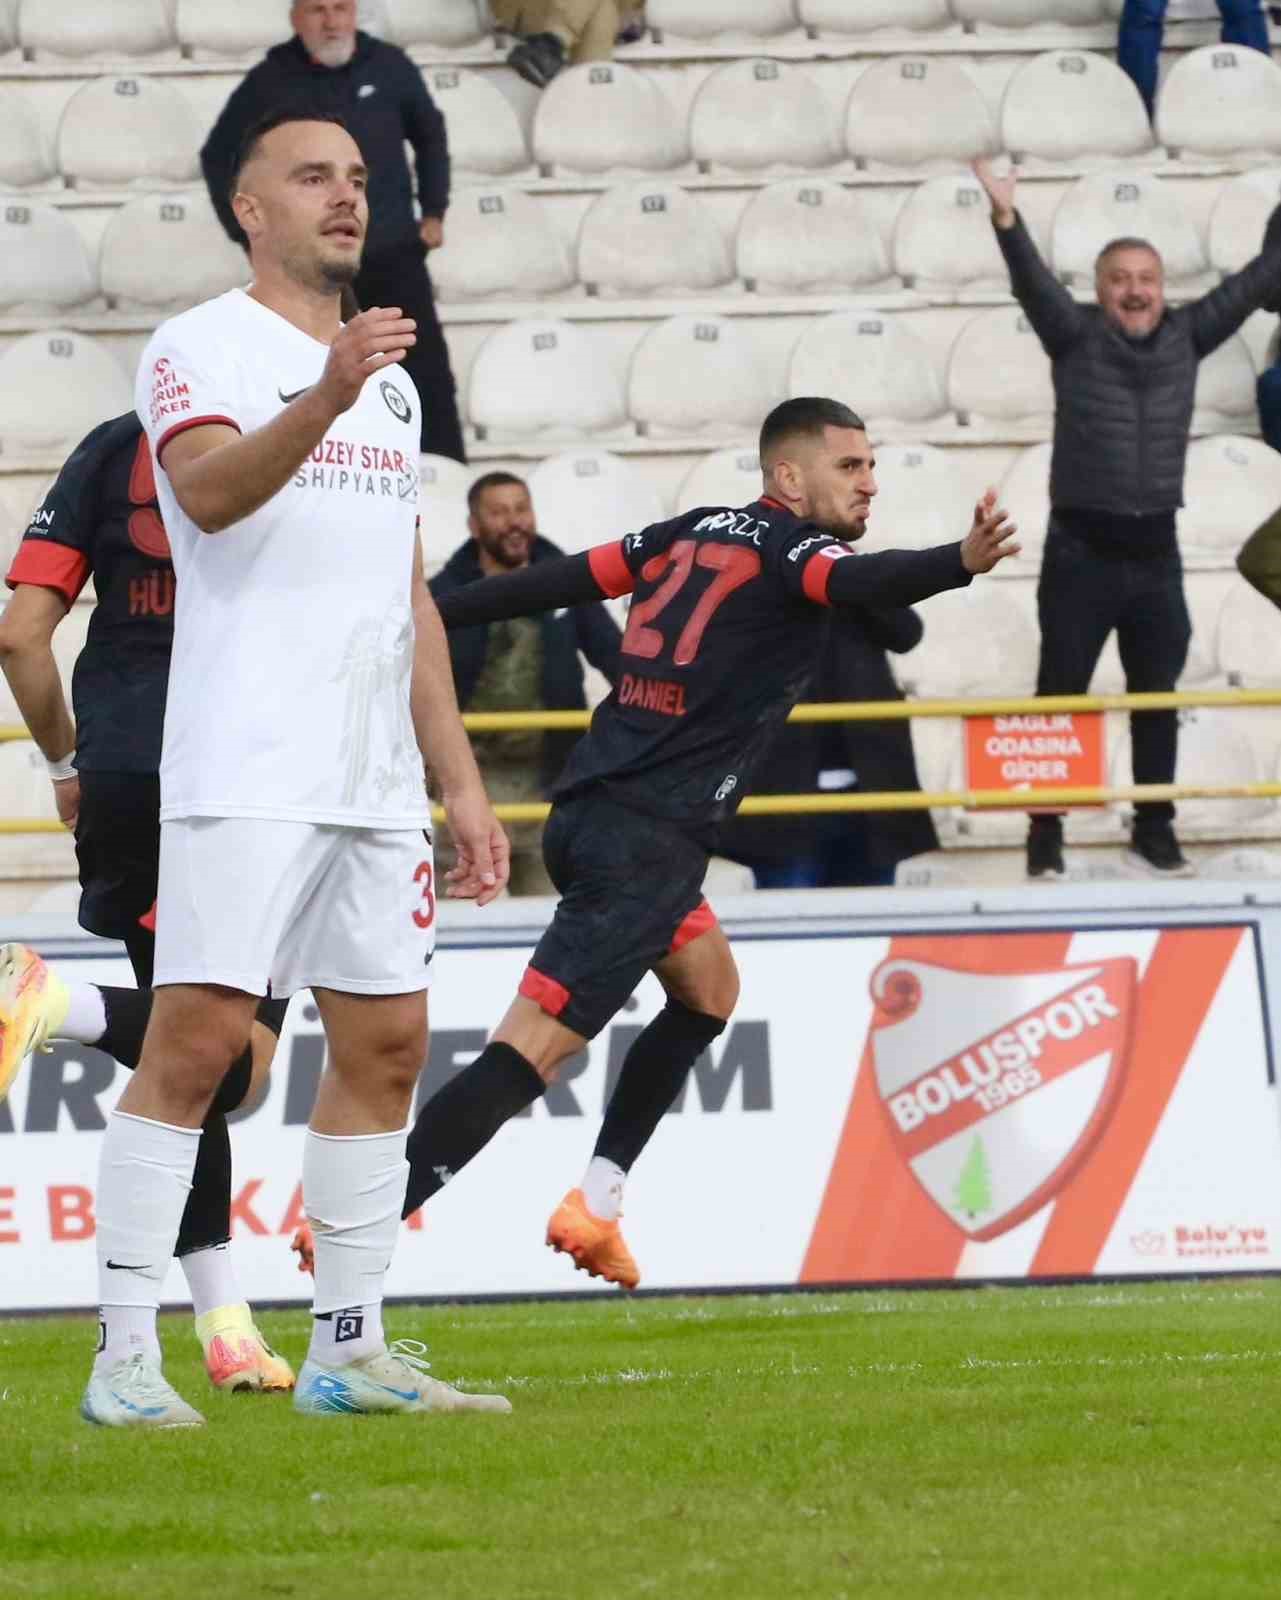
point(596, 1246)
point(237, 1357)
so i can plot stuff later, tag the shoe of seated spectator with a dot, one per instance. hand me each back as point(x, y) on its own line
point(1045, 848)
point(1155, 850)
point(538, 58)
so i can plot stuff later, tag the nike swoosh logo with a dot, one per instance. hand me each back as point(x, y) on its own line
point(127, 1266)
point(287, 399)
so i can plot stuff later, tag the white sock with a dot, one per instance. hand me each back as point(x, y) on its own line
point(211, 1279)
point(86, 1018)
point(603, 1188)
point(122, 1332)
point(144, 1178)
point(353, 1191)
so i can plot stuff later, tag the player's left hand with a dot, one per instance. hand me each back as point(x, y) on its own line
point(991, 536)
point(484, 853)
point(432, 232)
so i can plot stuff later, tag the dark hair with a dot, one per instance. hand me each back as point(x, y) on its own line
point(1125, 242)
point(808, 416)
point(259, 130)
point(492, 480)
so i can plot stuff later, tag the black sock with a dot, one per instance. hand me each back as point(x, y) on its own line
point(460, 1119)
point(653, 1073)
point(206, 1218)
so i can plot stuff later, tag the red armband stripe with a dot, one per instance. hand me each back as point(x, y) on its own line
point(545, 992)
point(610, 569)
point(190, 422)
point(815, 579)
point(49, 566)
point(701, 920)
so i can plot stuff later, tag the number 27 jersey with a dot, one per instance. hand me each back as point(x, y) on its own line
point(727, 617)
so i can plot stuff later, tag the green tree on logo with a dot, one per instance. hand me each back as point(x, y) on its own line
point(974, 1186)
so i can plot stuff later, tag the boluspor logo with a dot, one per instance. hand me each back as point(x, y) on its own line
point(996, 1086)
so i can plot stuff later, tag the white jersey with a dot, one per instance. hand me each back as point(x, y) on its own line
point(293, 635)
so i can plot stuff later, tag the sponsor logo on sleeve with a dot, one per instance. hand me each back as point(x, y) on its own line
point(396, 402)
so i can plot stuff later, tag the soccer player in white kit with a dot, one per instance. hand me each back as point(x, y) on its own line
point(309, 681)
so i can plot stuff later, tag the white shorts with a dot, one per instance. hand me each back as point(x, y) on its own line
point(272, 907)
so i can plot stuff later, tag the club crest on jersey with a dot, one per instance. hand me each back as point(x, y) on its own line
point(996, 1086)
point(396, 402)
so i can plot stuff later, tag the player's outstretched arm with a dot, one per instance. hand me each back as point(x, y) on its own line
point(991, 536)
point(220, 476)
point(26, 658)
point(484, 856)
point(598, 574)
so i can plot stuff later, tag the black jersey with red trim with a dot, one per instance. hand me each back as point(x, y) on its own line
point(100, 519)
point(728, 614)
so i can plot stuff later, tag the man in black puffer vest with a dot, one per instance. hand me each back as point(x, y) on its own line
point(1124, 379)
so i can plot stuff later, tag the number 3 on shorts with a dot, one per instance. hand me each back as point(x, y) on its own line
point(424, 914)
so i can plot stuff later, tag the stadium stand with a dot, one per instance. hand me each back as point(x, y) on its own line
point(919, 114)
point(443, 25)
point(812, 236)
point(24, 780)
point(722, 388)
point(1225, 401)
point(1025, 489)
point(26, 161)
point(161, 253)
point(1247, 643)
point(535, 378)
point(1068, 106)
point(1221, 103)
point(917, 504)
point(725, 478)
point(8, 25)
point(1108, 205)
point(944, 246)
point(443, 486)
point(790, 127)
point(721, 21)
point(838, 19)
point(651, 238)
point(978, 641)
point(1240, 215)
point(242, 29)
point(1028, 13)
point(44, 265)
point(1214, 748)
point(135, 132)
point(500, 243)
point(872, 362)
point(584, 496)
point(998, 376)
point(486, 139)
point(1232, 485)
point(54, 387)
point(605, 117)
point(87, 30)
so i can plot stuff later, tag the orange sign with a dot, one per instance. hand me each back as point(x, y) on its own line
point(1060, 750)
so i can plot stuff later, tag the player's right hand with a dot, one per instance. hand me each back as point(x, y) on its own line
point(990, 538)
point(1000, 191)
point(66, 796)
point(375, 339)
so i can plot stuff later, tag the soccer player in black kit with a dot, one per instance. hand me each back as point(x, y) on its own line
point(727, 616)
point(100, 519)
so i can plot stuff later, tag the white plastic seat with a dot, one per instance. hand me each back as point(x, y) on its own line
point(762, 116)
point(486, 139)
point(651, 238)
point(1069, 106)
point(123, 132)
point(233, 27)
point(1111, 205)
point(79, 29)
point(588, 497)
point(944, 242)
point(542, 377)
point(8, 25)
point(44, 265)
point(1240, 216)
point(870, 361)
point(978, 641)
point(162, 253)
point(1222, 102)
point(26, 159)
point(1214, 749)
point(1025, 493)
point(54, 387)
point(921, 113)
point(696, 374)
point(443, 25)
point(499, 243)
point(1247, 642)
point(1028, 13)
point(725, 478)
point(605, 117)
point(25, 790)
point(20, 494)
point(916, 503)
point(1232, 484)
point(811, 236)
point(722, 21)
point(998, 374)
point(442, 508)
point(840, 18)
point(1225, 390)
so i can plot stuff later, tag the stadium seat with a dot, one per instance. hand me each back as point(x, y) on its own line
point(1214, 748)
point(872, 362)
point(720, 388)
point(163, 253)
point(44, 265)
point(8, 25)
point(725, 478)
point(1028, 13)
point(1109, 205)
point(812, 236)
point(442, 508)
point(841, 19)
point(918, 112)
point(1221, 103)
point(541, 377)
point(651, 238)
point(1025, 492)
point(89, 30)
point(232, 28)
point(978, 641)
point(1069, 106)
point(25, 158)
point(20, 493)
point(790, 126)
point(442, 25)
point(1231, 486)
point(944, 243)
point(1246, 863)
point(998, 376)
point(1225, 398)
point(916, 504)
point(486, 139)
point(55, 386)
point(722, 21)
point(128, 132)
point(1247, 641)
point(605, 117)
point(588, 497)
point(24, 781)
point(1240, 215)
point(499, 242)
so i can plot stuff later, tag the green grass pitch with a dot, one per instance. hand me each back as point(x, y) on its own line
point(1096, 1441)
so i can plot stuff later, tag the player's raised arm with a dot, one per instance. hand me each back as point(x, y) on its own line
point(600, 573)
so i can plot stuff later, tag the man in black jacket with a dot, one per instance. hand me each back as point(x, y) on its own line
point(1124, 381)
point(381, 97)
point(524, 664)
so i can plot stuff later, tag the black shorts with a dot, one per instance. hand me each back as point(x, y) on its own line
point(118, 850)
point(631, 893)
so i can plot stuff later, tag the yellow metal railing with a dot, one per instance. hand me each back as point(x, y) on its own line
point(895, 800)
